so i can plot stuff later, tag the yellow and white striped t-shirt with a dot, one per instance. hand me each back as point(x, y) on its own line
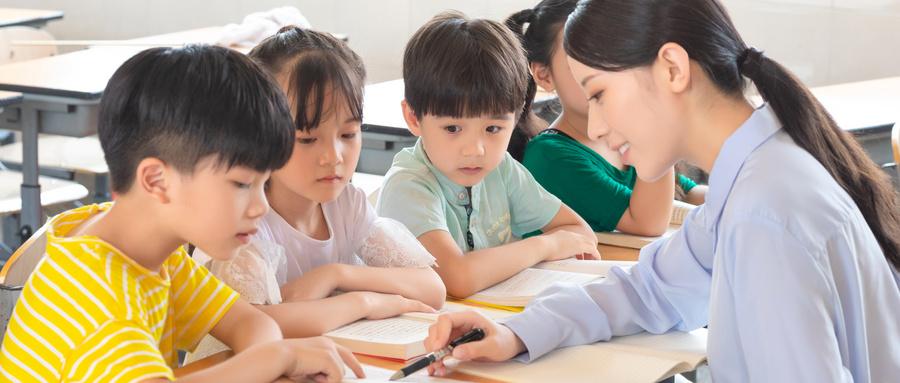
point(90, 314)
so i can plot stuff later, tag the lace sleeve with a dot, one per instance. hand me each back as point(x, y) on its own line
point(256, 273)
point(390, 244)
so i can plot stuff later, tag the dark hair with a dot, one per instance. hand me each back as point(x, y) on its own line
point(544, 21)
point(615, 35)
point(312, 62)
point(181, 105)
point(460, 67)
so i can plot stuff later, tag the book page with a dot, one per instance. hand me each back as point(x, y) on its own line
point(642, 357)
point(518, 289)
point(395, 330)
point(453, 307)
point(575, 365)
point(582, 266)
point(618, 238)
point(689, 347)
point(679, 212)
point(378, 374)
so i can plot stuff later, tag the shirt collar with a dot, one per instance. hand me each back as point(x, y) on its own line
point(454, 193)
point(761, 125)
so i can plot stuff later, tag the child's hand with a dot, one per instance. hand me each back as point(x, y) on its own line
point(318, 283)
point(319, 359)
point(380, 306)
point(567, 244)
point(499, 342)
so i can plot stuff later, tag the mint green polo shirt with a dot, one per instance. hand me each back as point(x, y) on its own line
point(506, 204)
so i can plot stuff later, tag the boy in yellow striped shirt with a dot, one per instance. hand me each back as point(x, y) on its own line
point(190, 135)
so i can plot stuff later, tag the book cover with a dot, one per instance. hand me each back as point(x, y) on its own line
point(642, 357)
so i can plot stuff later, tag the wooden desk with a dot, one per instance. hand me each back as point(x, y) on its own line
point(62, 96)
point(30, 17)
point(616, 253)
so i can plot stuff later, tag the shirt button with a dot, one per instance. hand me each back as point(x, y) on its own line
point(462, 195)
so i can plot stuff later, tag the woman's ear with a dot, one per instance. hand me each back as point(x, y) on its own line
point(542, 76)
point(673, 67)
point(411, 120)
point(152, 178)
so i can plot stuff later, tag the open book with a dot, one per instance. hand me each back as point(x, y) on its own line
point(518, 289)
point(642, 357)
point(400, 337)
point(618, 238)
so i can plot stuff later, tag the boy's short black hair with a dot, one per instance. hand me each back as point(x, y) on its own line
point(315, 65)
point(181, 105)
point(459, 67)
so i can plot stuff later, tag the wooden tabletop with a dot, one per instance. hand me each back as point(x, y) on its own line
point(83, 74)
point(34, 17)
point(616, 253)
point(9, 98)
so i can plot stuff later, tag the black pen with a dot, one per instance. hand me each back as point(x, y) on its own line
point(470, 336)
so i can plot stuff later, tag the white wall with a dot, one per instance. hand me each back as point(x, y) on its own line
point(822, 41)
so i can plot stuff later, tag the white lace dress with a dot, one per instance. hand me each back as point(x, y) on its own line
point(259, 269)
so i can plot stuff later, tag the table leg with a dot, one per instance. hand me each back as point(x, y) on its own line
point(30, 218)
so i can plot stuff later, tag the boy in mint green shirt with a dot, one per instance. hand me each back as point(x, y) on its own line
point(466, 200)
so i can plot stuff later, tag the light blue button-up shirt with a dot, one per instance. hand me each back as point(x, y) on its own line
point(779, 262)
point(506, 204)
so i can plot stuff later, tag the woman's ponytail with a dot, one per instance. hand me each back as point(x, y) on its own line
point(813, 129)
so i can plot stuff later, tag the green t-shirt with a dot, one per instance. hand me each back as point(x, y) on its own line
point(583, 180)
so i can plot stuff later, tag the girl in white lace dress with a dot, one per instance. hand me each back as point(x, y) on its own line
point(322, 258)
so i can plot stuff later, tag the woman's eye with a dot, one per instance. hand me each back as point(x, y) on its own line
point(452, 128)
point(596, 96)
point(306, 140)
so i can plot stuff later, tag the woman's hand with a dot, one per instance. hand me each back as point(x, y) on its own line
point(499, 342)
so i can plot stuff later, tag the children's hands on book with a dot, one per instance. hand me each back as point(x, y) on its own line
point(380, 306)
point(566, 244)
point(499, 342)
point(319, 359)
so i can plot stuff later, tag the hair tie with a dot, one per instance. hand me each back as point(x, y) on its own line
point(749, 61)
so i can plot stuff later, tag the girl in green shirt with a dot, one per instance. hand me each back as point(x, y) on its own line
point(587, 175)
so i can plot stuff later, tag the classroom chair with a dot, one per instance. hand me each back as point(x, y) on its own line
point(55, 195)
point(16, 272)
point(77, 159)
point(12, 53)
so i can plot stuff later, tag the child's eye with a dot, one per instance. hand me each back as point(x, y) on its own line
point(306, 140)
point(452, 128)
point(349, 136)
point(242, 185)
point(494, 129)
point(596, 96)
